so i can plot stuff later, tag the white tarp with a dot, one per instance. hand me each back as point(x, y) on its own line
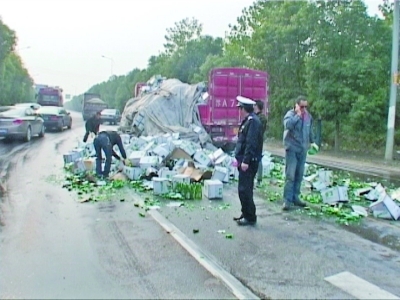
point(170, 107)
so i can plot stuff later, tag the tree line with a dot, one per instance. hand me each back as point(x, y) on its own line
point(16, 85)
point(331, 51)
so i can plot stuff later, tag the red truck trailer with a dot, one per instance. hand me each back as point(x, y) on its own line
point(219, 115)
point(50, 96)
point(138, 86)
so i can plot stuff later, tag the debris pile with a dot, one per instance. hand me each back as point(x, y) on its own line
point(170, 166)
point(374, 196)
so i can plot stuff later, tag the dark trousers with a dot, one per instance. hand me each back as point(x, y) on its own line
point(102, 142)
point(245, 190)
point(85, 138)
point(294, 164)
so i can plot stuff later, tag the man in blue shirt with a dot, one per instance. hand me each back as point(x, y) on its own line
point(105, 141)
point(297, 138)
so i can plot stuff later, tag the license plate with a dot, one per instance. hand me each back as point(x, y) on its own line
point(235, 130)
point(3, 131)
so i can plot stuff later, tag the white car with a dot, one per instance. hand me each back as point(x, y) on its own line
point(32, 105)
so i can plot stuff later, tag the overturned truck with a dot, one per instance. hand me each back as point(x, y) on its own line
point(167, 106)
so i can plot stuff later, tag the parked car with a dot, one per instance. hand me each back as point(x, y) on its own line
point(21, 122)
point(55, 117)
point(113, 116)
point(32, 105)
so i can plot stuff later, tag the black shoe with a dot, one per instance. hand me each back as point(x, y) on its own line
point(286, 206)
point(299, 203)
point(245, 222)
point(239, 218)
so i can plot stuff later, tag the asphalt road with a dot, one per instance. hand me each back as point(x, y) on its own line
point(53, 247)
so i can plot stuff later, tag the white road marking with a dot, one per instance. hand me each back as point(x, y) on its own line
point(358, 287)
point(205, 259)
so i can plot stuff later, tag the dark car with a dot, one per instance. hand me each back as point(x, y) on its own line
point(112, 116)
point(55, 117)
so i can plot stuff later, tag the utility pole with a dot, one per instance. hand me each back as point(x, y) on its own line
point(393, 87)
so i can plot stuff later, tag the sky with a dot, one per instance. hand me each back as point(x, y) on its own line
point(62, 42)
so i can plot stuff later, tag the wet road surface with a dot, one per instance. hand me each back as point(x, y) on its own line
point(54, 247)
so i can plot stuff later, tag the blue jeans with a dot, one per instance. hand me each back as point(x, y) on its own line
point(102, 142)
point(294, 171)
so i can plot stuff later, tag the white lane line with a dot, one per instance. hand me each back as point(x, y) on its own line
point(358, 287)
point(205, 259)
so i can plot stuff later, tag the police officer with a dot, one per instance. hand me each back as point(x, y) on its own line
point(92, 125)
point(248, 154)
point(105, 141)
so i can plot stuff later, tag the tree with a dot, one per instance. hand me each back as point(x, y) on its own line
point(184, 31)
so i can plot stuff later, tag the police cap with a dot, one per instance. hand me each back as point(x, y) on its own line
point(243, 101)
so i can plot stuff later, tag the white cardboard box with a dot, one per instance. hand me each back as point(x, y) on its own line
point(180, 178)
point(70, 157)
point(202, 158)
point(189, 147)
point(135, 157)
point(162, 151)
point(166, 173)
point(148, 162)
point(133, 173)
point(335, 194)
point(392, 207)
point(79, 166)
point(216, 154)
point(81, 152)
point(125, 138)
point(213, 189)
point(161, 186)
point(221, 174)
point(325, 176)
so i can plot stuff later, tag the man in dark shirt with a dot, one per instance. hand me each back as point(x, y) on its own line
point(258, 109)
point(248, 154)
point(92, 125)
point(105, 141)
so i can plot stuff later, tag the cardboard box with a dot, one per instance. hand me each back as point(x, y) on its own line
point(392, 207)
point(195, 174)
point(148, 162)
point(379, 210)
point(81, 152)
point(167, 173)
point(78, 167)
point(224, 161)
point(90, 164)
point(133, 173)
point(189, 147)
point(161, 186)
point(216, 154)
point(335, 194)
point(325, 176)
point(90, 151)
point(125, 138)
point(70, 157)
point(213, 189)
point(267, 167)
point(135, 157)
point(162, 151)
point(202, 158)
point(180, 178)
point(220, 173)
